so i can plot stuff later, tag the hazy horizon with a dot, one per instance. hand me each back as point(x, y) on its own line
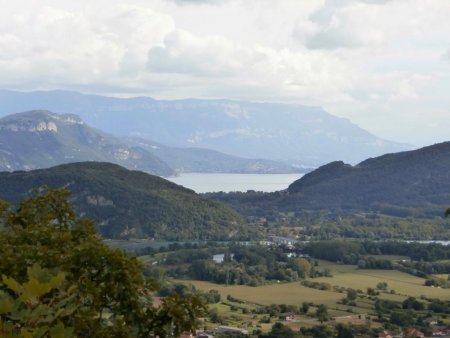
point(384, 65)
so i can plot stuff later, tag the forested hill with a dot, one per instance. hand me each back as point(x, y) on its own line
point(411, 179)
point(127, 203)
point(411, 183)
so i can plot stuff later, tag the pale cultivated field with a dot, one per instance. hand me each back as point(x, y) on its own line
point(283, 293)
point(347, 276)
point(403, 284)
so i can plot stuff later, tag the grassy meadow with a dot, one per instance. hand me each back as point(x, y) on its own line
point(283, 293)
point(348, 276)
point(238, 309)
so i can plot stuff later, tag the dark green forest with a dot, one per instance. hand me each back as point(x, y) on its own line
point(127, 203)
point(413, 183)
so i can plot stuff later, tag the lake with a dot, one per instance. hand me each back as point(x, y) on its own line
point(213, 182)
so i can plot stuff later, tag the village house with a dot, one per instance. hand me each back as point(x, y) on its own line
point(390, 334)
point(289, 317)
point(197, 335)
point(204, 335)
point(186, 335)
point(440, 331)
point(230, 329)
point(413, 333)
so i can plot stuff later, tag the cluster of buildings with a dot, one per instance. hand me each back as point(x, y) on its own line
point(436, 331)
point(219, 329)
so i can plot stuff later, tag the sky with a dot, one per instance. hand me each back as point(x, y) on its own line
point(383, 64)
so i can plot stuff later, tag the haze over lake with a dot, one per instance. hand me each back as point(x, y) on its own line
point(213, 182)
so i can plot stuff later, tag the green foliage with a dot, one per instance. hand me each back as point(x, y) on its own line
point(81, 283)
point(38, 307)
point(385, 305)
point(399, 196)
point(279, 330)
point(439, 306)
point(382, 286)
point(352, 294)
point(413, 303)
point(215, 317)
point(322, 313)
point(305, 307)
point(344, 331)
point(251, 265)
point(318, 331)
point(437, 282)
point(131, 203)
point(336, 250)
point(402, 318)
point(381, 184)
point(355, 252)
point(374, 226)
point(302, 266)
point(316, 285)
point(186, 291)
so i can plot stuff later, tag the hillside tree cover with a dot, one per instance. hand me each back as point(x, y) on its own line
point(411, 186)
point(131, 204)
point(60, 280)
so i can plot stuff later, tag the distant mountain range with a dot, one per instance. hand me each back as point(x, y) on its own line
point(207, 160)
point(41, 139)
point(130, 204)
point(294, 134)
point(411, 183)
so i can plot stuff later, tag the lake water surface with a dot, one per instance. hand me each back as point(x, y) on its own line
point(209, 182)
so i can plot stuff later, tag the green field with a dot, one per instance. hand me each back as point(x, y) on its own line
point(343, 276)
point(283, 293)
point(350, 276)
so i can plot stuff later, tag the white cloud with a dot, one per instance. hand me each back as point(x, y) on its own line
point(198, 2)
point(376, 24)
point(55, 46)
point(347, 24)
point(185, 53)
point(223, 65)
point(357, 58)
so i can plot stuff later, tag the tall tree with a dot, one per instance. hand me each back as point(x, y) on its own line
point(109, 294)
point(322, 313)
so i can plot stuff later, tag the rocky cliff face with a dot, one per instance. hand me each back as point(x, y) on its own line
point(40, 139)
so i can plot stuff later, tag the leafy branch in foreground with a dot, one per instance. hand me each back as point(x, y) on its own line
point(58, 276)
point(37, 307)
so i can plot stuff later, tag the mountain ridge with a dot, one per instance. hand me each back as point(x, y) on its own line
point(293, 134)
point(196, 160)
point(128, 203)
point(411, 183)
point(39, 139)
